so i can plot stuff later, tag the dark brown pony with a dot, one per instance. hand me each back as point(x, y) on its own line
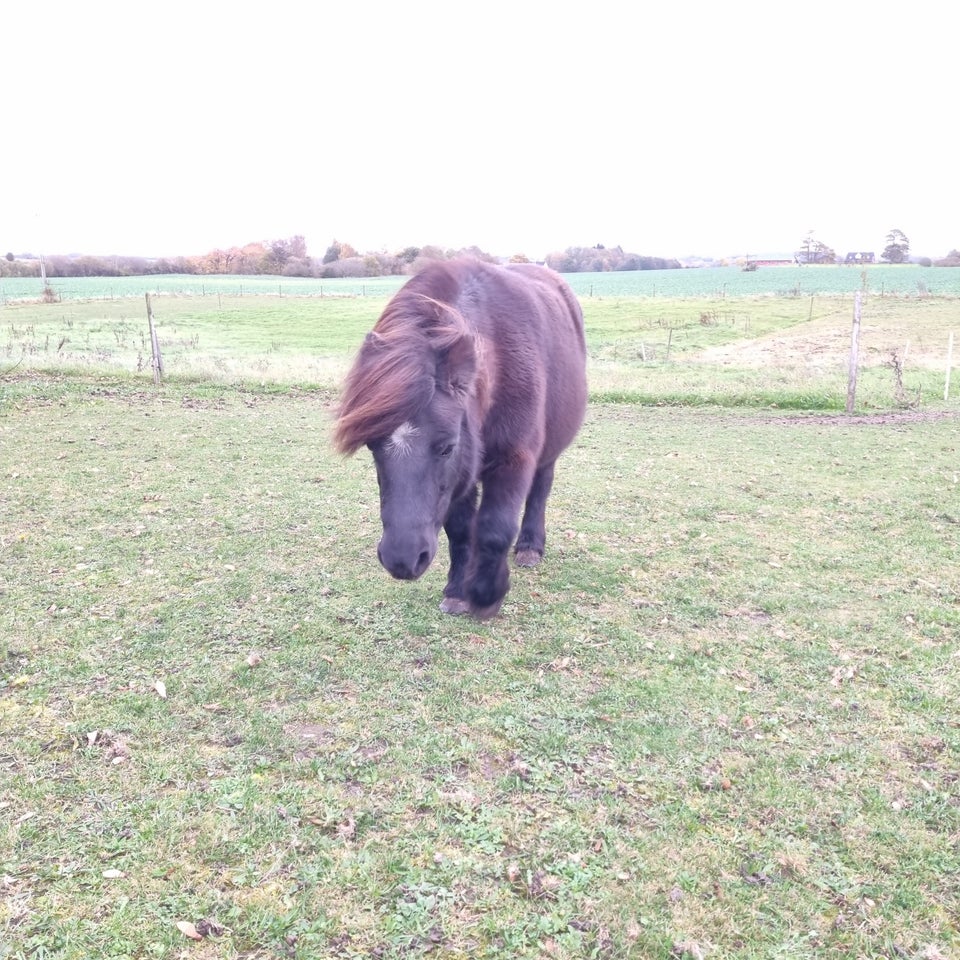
point(474, 374)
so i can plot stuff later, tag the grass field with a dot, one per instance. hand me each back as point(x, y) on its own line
point(756, 351)
point(906, 280)
point(719, 721)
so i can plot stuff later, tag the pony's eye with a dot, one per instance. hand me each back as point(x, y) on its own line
point(445, 451)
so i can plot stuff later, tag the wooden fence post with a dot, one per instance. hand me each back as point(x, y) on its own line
point(854, 355)
point(946, 386)
point(156, 360)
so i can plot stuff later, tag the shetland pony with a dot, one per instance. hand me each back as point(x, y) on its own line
point(473, 381)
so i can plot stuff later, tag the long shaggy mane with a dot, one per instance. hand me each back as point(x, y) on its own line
point(394, 375)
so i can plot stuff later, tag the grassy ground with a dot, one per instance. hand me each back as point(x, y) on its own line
point(720, 720)
point(782, 351)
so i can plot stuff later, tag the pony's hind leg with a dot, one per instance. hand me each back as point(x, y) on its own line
point(533, 530)
point(459, 530)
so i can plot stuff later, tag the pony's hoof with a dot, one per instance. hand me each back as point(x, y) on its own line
point(486, 613)
point(527, 558)
point(454, 606)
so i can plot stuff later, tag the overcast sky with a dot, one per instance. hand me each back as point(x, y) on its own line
point(684, 129)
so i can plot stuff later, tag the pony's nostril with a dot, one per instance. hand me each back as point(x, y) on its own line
point(423, 561)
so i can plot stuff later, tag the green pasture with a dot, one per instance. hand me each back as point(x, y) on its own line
point(905, 280)
point(720, 720)
point(752, 351)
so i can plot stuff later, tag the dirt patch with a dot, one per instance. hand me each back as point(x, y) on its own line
point(894, 418)
point(829, 349)
point(823, 343)
point(313, 739)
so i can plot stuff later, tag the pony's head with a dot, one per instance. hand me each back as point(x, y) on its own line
point(411, 398)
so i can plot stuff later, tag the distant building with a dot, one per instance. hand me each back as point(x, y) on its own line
point(863, 257)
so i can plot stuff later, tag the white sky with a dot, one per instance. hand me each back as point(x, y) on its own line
point(523, 126)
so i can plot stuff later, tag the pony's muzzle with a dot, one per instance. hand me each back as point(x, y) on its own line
point(405, 561)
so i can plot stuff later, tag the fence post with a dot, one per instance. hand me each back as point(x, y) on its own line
point(946, 386)
point(854, 355)
point(156, 360)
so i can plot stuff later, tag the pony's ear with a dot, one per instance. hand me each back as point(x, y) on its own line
point(457, 369)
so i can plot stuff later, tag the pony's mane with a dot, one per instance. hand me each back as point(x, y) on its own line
point(393, 377)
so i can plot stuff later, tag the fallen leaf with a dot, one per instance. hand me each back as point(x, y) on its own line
point(542, 885)
point(842, 675)
point(209, 928)
point(112, 874)
point(687, 948)
point(161, 689)
point(253, 659)
point(189, 930)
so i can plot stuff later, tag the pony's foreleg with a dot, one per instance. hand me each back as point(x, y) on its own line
point(498, 520)
point(533, 531)
point(459, 529)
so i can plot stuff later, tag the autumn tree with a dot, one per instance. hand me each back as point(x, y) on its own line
point(339, 251)
point(251, 258)
point(298, 247)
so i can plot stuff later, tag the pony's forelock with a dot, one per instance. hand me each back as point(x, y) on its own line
point(392, 378)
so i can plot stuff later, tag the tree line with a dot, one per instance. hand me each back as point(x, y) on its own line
point(897, 250)
point(601, 259)
point(288, 257)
